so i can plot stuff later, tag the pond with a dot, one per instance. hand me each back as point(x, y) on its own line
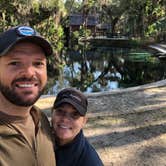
point(104, 68)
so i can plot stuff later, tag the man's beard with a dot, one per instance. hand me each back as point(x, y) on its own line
point(11, 95)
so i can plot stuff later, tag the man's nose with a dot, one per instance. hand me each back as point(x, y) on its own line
point(28, 70)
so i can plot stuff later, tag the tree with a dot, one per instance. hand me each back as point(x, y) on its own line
point(141, 16)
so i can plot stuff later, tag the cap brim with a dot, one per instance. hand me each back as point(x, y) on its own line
point(78, 107)
point(44, 44)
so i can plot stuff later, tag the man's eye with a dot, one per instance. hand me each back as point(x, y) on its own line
point(39, 64)
point(14, 63)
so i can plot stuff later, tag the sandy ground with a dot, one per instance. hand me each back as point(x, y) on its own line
point(127, 127)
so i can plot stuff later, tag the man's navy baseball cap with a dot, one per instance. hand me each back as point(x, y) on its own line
point(22, 33)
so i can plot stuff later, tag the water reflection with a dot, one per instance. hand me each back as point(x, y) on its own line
point(97, 69)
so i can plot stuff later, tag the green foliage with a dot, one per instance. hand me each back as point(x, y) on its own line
point(75, 35)
point(82, 32)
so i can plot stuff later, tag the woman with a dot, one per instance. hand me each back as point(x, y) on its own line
point(68, 119)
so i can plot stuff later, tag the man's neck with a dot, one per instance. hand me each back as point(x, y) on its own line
point(9, 108)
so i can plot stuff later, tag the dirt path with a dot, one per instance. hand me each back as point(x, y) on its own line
point(128, 127)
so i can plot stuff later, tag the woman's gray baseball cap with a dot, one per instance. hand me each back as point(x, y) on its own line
point(74, 97)
point(22, 33)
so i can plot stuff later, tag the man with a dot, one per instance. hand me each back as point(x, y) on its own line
point(68, 119)
point(25, 135)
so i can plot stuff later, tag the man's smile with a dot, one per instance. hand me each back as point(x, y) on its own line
point(26, 85)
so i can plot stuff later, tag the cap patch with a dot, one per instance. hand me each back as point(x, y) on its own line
point(25, 31)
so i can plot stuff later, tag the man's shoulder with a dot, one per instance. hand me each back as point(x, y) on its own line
point(39, 117)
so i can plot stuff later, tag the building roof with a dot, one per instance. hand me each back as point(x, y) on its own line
point(78, 19)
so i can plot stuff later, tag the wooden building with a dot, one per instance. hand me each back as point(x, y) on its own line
point(92, 23)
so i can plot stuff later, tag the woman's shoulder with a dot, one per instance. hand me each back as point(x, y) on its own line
point(91, 157)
